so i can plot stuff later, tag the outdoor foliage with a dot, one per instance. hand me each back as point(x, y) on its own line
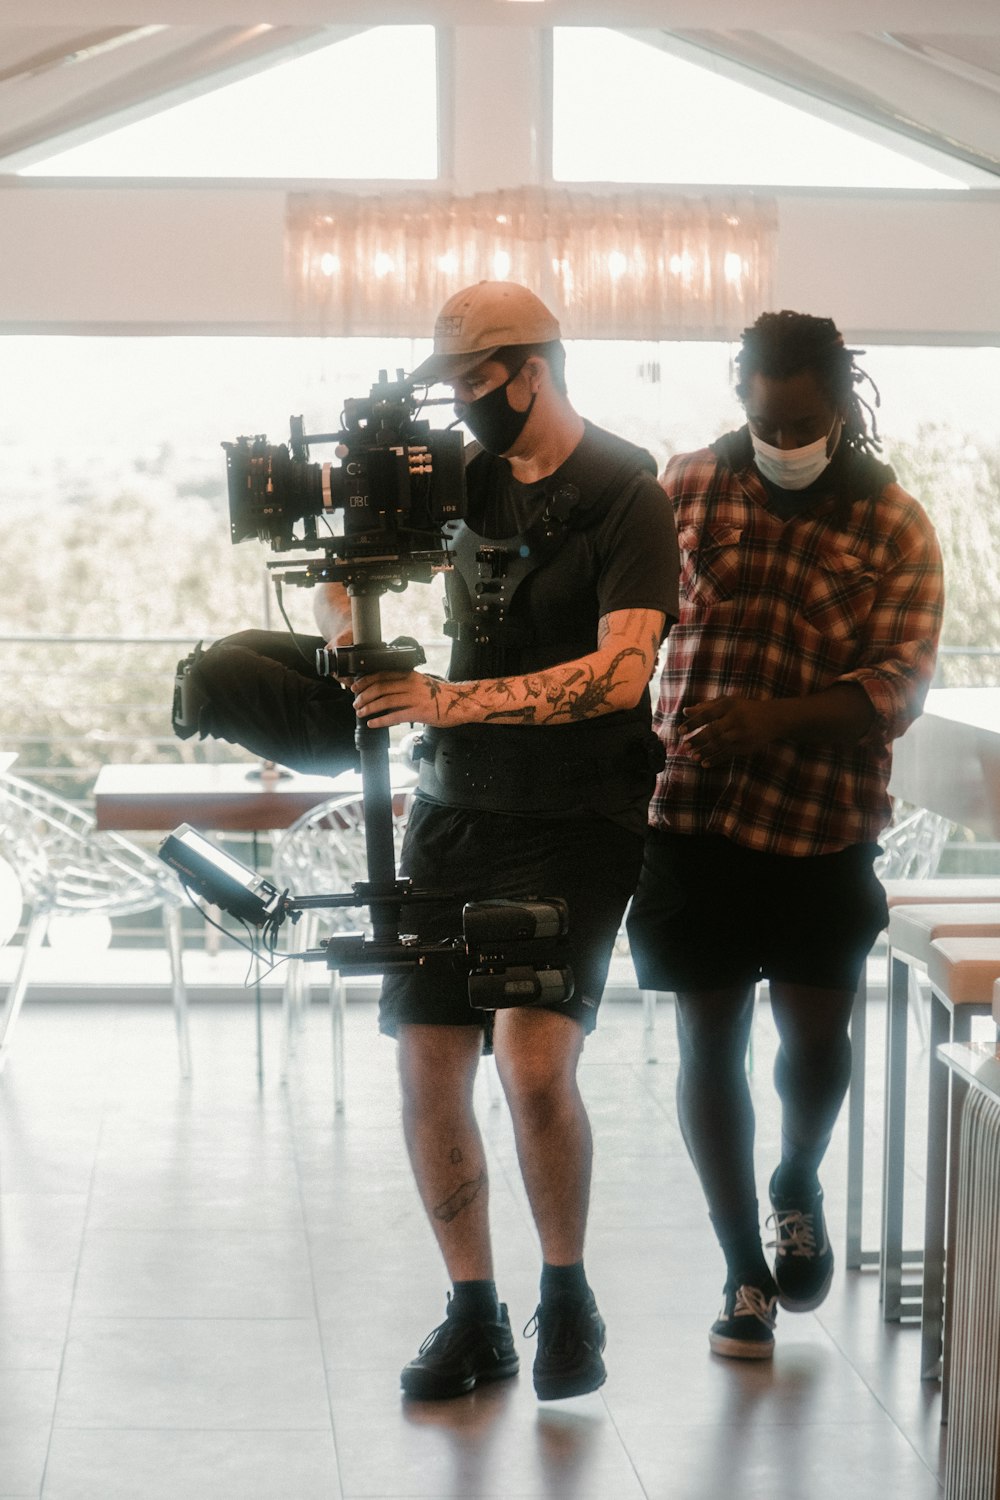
point(154, 559)
point(958, 483)
point(131, 567)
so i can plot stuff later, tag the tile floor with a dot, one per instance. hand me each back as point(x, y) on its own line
point(207, 1290)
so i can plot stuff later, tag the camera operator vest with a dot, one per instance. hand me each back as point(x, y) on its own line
point(600, 764)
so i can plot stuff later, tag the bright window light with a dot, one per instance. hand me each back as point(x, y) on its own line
point(360, 108)
point(675, 122)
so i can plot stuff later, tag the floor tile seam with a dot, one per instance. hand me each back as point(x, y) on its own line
point(622, 1444)
point(20, 1369)
point(200, 1233)
point(193, 1427)
point(76, 1276)
point(83, 1318)
point(877, 1398)
point(147, 1427)
point(663, 1107)
point(796, 1422)
point(311, 1254)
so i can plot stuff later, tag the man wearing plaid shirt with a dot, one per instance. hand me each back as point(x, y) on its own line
point(811, 602)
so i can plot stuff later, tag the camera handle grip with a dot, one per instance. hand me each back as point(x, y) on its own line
point(400, 655)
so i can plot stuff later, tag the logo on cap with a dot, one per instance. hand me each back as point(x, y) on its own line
point(448, 327)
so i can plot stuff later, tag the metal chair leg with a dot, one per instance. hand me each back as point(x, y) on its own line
point(175, 948)
point(33, 936)
point(935, 1340)
point(894, 1144)
point(855, 1256)
point(337, 1006)
point(295, 992)
point(936, 1209)
point(649, 998)
point(916, 998)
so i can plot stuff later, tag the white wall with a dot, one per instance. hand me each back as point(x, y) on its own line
point(203, 257)
point(925, 266)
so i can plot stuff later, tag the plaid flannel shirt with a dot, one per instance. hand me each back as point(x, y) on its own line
point(778, 608)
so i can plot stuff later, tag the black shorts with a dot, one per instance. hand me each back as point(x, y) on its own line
point(591, 864)
point(710, 914)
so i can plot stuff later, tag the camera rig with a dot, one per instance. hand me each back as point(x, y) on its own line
point(399, 482)
point(398, 486)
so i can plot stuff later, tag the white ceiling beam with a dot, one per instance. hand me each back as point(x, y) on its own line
point(848, 81)
point(495, 93)
point(912, 16)
point(190, 70)
point(67, 54)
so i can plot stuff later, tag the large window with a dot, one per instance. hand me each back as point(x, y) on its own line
point(360, 108)
point(124, 434)
point(626, 111)
point(117, 526)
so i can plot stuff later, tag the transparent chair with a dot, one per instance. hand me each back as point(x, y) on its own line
point(324, 853)
point(65, 866)
point(912, 847)
point(912, 844)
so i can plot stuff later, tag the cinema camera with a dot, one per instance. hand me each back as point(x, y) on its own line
point(398, 483)
point(397, 487)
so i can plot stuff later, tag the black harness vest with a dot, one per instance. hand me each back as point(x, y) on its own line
point(549, 768)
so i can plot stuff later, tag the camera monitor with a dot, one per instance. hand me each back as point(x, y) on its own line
point(214, 874)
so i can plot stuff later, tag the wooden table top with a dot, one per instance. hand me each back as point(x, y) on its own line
point(228, 797)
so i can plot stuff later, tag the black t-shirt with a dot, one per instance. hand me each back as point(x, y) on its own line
point(626, 558)
point(618, 552)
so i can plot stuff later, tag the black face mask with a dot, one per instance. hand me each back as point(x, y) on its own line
point(492, 420)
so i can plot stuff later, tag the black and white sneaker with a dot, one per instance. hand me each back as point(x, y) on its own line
point(744, 1328)
point(803, 1261)
point(571, 1339)
point(458, 1355)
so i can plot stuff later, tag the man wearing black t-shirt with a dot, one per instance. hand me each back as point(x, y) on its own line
point(537, 762)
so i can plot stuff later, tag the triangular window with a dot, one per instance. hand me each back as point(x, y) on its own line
point(627, 111)
point(360, 108)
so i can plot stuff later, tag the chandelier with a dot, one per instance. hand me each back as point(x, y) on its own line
point(644, 263)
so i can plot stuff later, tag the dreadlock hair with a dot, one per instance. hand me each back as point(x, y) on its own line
point(785, 343)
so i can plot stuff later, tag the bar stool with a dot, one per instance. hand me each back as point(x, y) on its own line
point(935, 889)
point(963, 974)
point(912, 930)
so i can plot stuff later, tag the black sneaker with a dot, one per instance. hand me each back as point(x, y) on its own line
point(744, 1328)
point(803, 1262)
point(571, 1339)
point(458, 1355)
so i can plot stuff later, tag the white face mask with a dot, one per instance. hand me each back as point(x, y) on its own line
point(793, 468)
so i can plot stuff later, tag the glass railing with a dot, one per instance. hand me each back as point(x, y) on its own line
point(77, 703)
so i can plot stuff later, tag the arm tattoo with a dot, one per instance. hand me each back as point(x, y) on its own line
point(464, 1194)
point(576, 699)
point(579, 695)
point(482, 694)
point(564, 693)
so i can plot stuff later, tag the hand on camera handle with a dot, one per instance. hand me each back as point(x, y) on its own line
point(349, 664)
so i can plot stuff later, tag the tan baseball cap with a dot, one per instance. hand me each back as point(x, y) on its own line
point(476, 322)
